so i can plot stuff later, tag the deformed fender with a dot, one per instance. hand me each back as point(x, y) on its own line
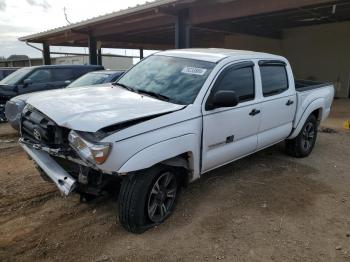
point(314, 105)
point(164, 150)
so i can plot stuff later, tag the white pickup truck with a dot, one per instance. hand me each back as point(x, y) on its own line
point(170, 119)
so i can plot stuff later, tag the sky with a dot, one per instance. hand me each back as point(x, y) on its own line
point(23, 17)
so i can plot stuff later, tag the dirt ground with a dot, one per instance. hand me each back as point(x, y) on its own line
point(267, 207)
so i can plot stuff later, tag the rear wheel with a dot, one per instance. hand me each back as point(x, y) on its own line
point(303, 144)
point(148, 198)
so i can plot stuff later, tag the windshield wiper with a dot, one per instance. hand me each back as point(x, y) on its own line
point(149, 93)
point(125, 87)
point(153, 94)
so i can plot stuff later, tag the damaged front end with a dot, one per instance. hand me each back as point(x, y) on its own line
point(67, 159)
point(62, 179)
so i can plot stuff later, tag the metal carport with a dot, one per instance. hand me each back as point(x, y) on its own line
point(165, 24)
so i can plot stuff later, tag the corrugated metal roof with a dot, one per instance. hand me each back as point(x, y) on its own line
point(130, 10)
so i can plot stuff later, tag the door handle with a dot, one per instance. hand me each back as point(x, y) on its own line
point(254, 112)
point(289, 102)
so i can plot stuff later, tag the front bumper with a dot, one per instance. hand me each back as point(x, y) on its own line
point(64, 182)
point(13, 111)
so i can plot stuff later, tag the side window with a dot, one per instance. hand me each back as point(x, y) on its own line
point(41, 76)
point(63, 74)
point(81, 71)
point(274, 79)
point(116, 77)
point(240, 80)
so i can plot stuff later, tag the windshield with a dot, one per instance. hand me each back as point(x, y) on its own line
point(15, 77)
point(177, 79)
point(90, 79)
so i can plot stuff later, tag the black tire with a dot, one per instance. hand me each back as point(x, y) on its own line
point(302, 145)
point(135, 194)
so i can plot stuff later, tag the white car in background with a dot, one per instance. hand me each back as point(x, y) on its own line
point(170, 119)
point(97, 78)
point(14, 107)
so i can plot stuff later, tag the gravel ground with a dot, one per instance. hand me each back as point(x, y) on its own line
point(266, 207)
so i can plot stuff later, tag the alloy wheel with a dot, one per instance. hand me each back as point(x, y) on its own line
point(162, 197)
point(308, 136)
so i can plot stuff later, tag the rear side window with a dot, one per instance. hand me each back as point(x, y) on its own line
point(116, 77)
point(274, 79)
point(63, 74)
point(241, 81)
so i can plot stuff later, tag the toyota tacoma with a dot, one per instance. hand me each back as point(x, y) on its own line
point(170, 119)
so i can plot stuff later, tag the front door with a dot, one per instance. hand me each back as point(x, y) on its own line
point(41, 79)
point(231, 133)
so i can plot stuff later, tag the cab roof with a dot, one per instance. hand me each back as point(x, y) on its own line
point(108, 72)
point(68, 66)
point(215, 55)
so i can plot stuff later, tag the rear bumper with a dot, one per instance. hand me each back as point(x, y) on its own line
point(64, 182)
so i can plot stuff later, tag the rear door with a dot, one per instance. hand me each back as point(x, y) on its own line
point(63, 76)
point(278, 102)
point(230, 133)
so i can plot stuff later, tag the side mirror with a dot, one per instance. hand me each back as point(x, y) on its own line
point(67, 82)
point(225, 99)
point(27, 82)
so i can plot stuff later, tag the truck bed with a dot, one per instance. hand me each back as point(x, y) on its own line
point(306, 85)
point(319, 95)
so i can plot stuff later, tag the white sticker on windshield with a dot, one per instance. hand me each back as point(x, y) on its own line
point(194, 71)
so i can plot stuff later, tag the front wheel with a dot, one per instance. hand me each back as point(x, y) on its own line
point(303, 144)
point(148, 198)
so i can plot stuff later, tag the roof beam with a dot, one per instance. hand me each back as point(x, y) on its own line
point(168, 29)
point(61, 39)
point(114, 29)
point(130, 45)
point(137, 39)
point(123, 45)
point(133, 26)
point(241, 8)
point(127, 14)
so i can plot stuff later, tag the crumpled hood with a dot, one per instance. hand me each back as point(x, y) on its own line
point(90, 109)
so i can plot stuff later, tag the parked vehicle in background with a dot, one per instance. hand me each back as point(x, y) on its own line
point(39, 78)
point(5, 71)
point(14, 107)
point(171, 118)
point(97, 78)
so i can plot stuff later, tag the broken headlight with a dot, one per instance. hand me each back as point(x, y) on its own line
point(96, 153)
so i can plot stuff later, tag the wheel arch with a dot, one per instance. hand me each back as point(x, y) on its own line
point(180, 152)
point(316, 108)
point(318, 114)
